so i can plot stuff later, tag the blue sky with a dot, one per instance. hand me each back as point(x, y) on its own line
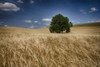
point(38, 13)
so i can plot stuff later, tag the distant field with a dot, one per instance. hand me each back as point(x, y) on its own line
point(88, 24)
point(20, 47)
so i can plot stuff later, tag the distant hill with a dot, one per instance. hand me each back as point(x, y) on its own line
point(87, 24)
point(79, 28)
point(8, 29)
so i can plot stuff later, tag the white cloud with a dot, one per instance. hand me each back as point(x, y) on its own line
point(93, 10)
point(83, 11)
point(75, 22)
point(8, 7)
point(31, 27)
point(36, 21)
point(46, 19)
point(5, 25)
point(31, 1)
point(93, 21)
point(28, 21)
point(20, 1)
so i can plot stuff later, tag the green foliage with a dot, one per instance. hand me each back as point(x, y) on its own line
point(59, 24)
point(68, 28)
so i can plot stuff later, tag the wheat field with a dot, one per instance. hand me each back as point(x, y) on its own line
point(20, 47)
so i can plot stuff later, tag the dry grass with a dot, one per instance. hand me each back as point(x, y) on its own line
point(31, 48)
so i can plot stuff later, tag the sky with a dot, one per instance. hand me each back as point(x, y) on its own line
point(36, 14)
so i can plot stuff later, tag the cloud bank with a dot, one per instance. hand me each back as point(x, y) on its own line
point(93, 9)
point(8, 7)
point(28, 21)
point(36, 21)
point(46, 19)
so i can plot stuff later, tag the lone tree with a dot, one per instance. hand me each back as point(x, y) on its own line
point(59, 24)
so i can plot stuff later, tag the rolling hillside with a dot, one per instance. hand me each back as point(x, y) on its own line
point(88, 24)
point(21, 47)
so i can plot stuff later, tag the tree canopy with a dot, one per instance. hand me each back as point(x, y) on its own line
point(59, 24)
